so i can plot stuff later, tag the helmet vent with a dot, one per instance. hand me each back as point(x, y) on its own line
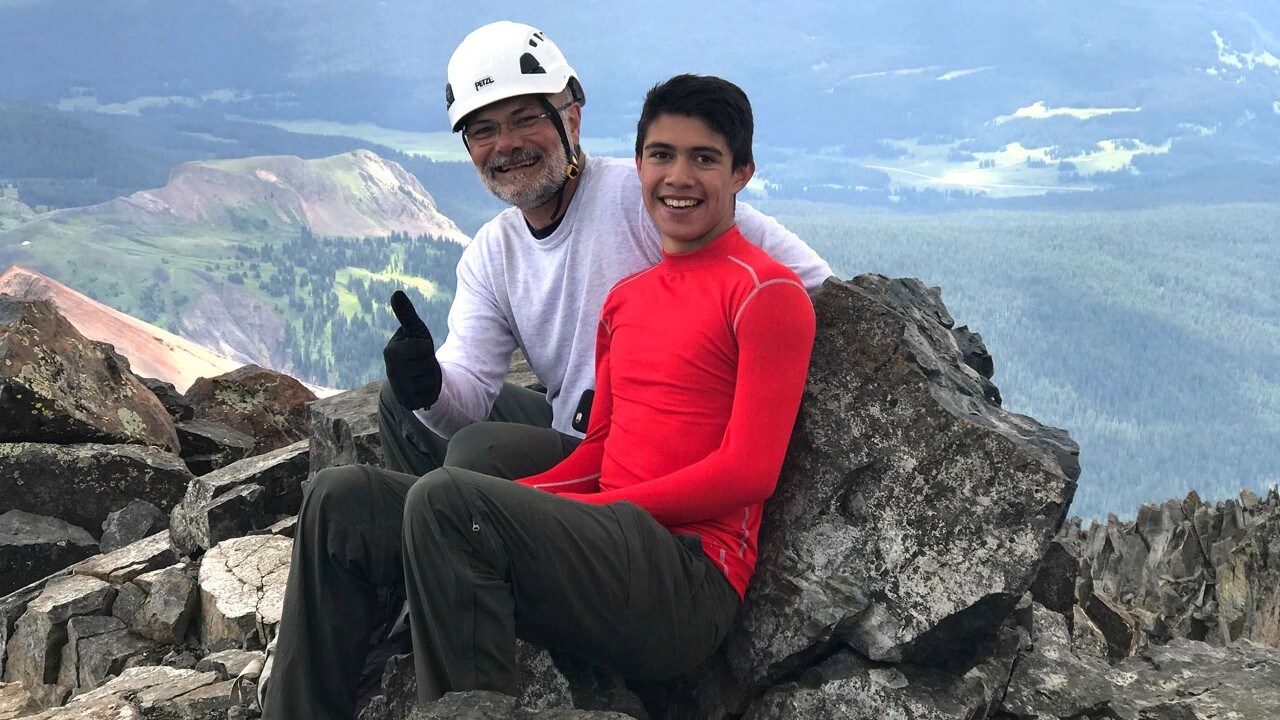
point(448, 96)
point(529, 65)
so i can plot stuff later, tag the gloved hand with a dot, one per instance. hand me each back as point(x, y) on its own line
point(410, 356)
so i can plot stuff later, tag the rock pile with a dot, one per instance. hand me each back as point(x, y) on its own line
point(914, 562)
point(1187, 569)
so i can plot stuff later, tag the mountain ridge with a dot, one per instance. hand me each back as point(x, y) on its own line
point(354, 194)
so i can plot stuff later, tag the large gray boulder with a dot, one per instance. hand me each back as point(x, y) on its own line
point(912, 512)
point(83, 484)
point(344, 429)
point(34, 546)
point(130, 561)
point(242, 584)
point(131, 523)
point(224, 503)
point(34, 650)
point(209, 445)
point(57, 386)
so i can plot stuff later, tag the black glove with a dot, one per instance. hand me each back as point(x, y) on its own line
point(410, 356)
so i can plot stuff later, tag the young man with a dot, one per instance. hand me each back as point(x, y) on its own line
point(635, 551)
point(535, 277)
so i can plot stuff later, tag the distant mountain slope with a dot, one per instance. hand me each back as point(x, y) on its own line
point(356, 194)
point(152, 351)
point(279, 261)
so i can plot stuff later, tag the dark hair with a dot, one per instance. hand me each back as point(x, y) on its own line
point(715, 101)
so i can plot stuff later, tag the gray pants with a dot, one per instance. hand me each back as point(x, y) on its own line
point(484, 561)
point(516, 442)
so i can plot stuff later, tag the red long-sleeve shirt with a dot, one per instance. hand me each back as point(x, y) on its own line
point(700, 364)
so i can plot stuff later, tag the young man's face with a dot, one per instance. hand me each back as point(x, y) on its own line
point(525, 167)
point(688, 181)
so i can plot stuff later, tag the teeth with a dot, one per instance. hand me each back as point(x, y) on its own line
point(683, 203)
point(517, 166)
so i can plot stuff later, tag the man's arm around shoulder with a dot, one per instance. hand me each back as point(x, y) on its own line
point(782, 245)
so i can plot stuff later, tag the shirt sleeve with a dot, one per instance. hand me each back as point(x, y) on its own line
point(783, 245)
point(775, 338)
point(474, 358)
point(580, 471)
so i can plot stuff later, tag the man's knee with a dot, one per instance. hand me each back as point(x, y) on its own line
point(337, 490)
point(437, 493)
point(479, 447)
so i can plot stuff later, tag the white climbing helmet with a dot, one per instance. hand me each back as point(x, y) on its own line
point(503, 60)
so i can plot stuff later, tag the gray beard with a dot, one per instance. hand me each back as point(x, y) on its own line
point(539, 190)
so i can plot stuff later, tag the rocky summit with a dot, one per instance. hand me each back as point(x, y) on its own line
point(916, 560)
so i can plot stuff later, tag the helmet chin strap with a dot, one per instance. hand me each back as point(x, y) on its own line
point(573, 154)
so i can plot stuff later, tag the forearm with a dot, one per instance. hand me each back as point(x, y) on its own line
point(464, 399)
point(711, 488)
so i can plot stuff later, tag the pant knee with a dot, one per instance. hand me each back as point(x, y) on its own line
point(337, 487)
point(476, 447)
point(436, 493)
point(349, 496)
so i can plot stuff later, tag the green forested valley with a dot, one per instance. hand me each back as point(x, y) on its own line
point(1153, 336)
point(336, 292)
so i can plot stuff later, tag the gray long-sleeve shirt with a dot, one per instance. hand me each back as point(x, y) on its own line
point(544, 295)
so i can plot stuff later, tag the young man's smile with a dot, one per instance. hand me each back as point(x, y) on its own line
point(688, 181)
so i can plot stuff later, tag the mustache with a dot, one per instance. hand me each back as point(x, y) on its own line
point(519, 156)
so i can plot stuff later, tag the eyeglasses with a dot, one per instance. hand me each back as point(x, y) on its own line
point(485, 132)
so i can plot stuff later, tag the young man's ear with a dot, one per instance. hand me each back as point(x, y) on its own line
point(741, 176)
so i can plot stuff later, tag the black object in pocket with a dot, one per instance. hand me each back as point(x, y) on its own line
point(582, 415)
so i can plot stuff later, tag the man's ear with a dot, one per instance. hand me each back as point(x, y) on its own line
point(742, 176)
point(573, 123)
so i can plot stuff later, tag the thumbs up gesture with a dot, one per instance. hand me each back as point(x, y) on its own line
point(410, 357)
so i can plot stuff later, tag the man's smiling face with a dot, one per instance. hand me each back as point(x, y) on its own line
point(688, 181)
point(523, 168)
